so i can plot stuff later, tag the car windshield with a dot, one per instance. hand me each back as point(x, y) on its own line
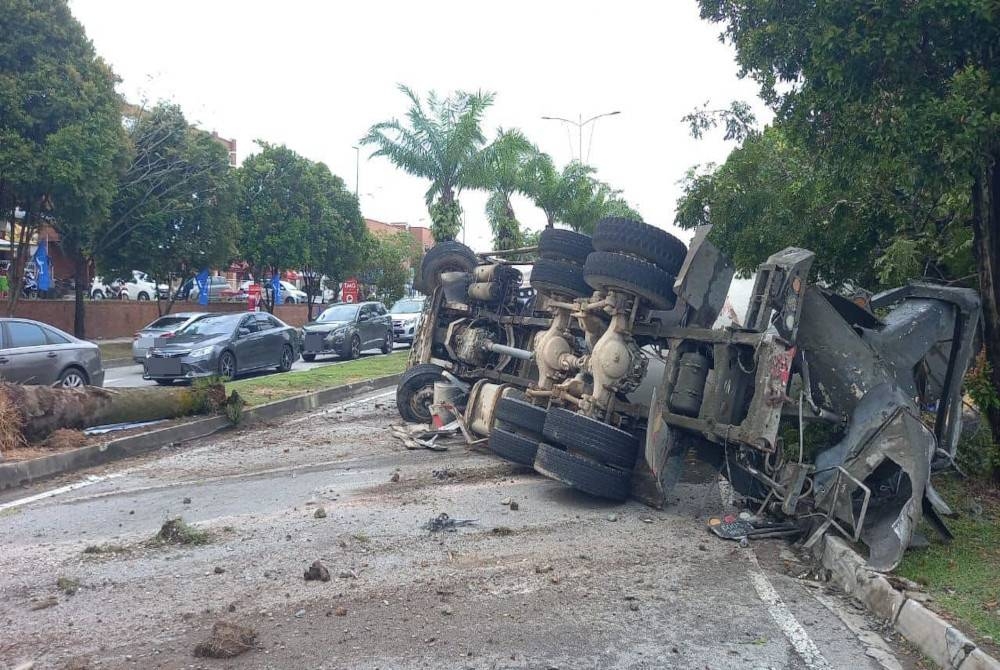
point(407, 306)
point(213, 325)
point(339, 313)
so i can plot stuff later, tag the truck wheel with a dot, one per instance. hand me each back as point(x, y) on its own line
point(450, 256)
point(415, 392)
point(557, 244)
point(516, 413)
point(640, 239)
point(607, 270)
point(513, 447)
point(590, 437)
point(559, 278)
point(582, 473)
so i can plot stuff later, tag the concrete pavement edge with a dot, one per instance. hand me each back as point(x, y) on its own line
point(25, 472)
point(936, 638)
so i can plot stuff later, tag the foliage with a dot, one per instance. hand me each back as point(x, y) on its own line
point(61, 139)
point(590, 201)
point(504, 168)
point(186, 219)
point(387, 263)
point(439, 143)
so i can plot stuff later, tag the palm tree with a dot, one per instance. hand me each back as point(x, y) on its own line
point(591, 200)
point(551, 190)
point(502, 168)
point(440, 143)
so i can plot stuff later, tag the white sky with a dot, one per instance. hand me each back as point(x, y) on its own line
point(315, 75)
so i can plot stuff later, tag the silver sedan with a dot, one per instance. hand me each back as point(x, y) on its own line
point(36, 353)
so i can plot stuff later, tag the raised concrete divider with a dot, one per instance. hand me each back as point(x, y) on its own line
point(24, 472)
point(936, 638)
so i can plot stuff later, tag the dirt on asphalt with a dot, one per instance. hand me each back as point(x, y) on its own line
point(555, 580)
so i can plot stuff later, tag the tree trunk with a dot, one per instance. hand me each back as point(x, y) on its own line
point(80, 285)
point(31, 413)
point(986, 247)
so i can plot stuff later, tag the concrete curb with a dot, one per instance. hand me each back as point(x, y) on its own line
point(24, 472)
point(939, 640)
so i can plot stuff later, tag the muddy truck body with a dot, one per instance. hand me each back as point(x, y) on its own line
point(602, 369)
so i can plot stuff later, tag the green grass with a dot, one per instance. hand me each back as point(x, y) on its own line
point(110, 350)
point(963, 577)
point(260, 390)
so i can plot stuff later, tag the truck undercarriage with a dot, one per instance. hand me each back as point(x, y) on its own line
point(607, 374)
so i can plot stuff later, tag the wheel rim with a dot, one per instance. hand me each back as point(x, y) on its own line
point(226, 365)
point(72, 380)
point(356, 346)
point(388, 341)
point(420, 402)
point(143, 296)
point(286, 358)
point(98, 296)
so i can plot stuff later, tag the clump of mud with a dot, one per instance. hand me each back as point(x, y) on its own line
point(226, 641)
point(64, 439)
point(175, 531)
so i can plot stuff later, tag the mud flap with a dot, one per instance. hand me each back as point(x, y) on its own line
point(661, 462)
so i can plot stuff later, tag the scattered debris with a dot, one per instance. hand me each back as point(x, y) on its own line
point(506, 501)
point(114, 427)
point(746, 526)
point(514, 506)
point(394, 478)
point(65, 439)
point(219, 570)
point(317, 572)
point(340, 611)
point(347, 574)
point(444, 522)
point(444, 474)
point(107, 548)
point(176, 531)
point(186, 501)
point(502, 531)
point(68, 585)
point(542, 569)
point(226, 641)
point(612, 517)
point(320, 513)
point(44, 603)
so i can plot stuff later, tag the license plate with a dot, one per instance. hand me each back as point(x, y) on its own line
point(313, 342)
point(163, 366)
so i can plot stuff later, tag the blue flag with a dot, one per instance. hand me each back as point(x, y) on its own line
point(276, 287)
point(44, 268)
point(202, 280)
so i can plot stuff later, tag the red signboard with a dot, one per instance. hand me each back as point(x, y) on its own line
point(349, 290)
point(253, 297)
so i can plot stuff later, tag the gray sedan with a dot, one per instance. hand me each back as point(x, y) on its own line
point(226, 345)
point(36, 353)
point(163, 328)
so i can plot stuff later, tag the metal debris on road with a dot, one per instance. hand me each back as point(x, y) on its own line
point(443, 522)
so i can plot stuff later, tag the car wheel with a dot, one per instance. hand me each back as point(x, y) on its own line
point(73, 378)
point(582, 473)
point(642, 240)
point(559, 278)
point(227, 365)
point(143, 296)
point(287, 358)
point(289, 300)
point(590, 437)
point(607, 270)
point(513, 447)
point(450, 256)
point(308, 358)
point(415, 392)
point(354, 348)
point(564, 245)
point(97, 295)
point(387, 342)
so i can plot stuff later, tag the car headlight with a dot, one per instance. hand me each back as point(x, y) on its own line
point(201, 353)
point(337, 334)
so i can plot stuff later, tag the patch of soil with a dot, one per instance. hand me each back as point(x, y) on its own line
point(226, 641)
point(65, 439)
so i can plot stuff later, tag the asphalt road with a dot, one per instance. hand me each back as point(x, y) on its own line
point(564, 581)
point(132, 375)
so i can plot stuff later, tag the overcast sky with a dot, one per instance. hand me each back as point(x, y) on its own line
point(316, 75)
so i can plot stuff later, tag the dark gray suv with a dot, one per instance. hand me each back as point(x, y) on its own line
point(347, 329)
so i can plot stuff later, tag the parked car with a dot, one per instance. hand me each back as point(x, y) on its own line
point(405, 317)
point(227, 345)
point(289, 294)
point(36, 353)
point(141, 287)
point(218, 289)
point(347, 329)
point(163, 328)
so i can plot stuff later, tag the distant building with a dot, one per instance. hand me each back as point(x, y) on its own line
point(230, 147)
point(422, 239)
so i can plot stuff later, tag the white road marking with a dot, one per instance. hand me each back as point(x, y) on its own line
point(776, 608)
point(90, 480)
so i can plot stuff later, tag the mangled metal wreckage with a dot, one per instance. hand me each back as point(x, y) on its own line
point(607, 374)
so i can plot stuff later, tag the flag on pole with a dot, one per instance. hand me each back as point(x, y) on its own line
point(276, 287)
point(202, 280)
point(44, 268)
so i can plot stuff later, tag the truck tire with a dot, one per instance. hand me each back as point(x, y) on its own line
point(449, 256)
point(516, 413)
point(513, 447)
point(557, 244)
point(415, 392)
point(582, 473)
point(590, 437)
point(559, 278)
point(640, 239)
point(608, 270)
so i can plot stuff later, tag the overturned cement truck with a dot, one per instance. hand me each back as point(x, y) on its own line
point(605, 373)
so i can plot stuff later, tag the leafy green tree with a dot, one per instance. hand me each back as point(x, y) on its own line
point(503, 168)
point(552, 190)
point(61, 142)
point(439, 142)
point(182, 222)
point(387, 260)
point(904, 94)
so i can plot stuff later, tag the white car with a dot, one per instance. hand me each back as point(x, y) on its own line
point(141, 287)
point(289, 294)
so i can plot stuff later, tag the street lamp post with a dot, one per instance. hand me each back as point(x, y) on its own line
point(580, 124)
point(357, 169)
